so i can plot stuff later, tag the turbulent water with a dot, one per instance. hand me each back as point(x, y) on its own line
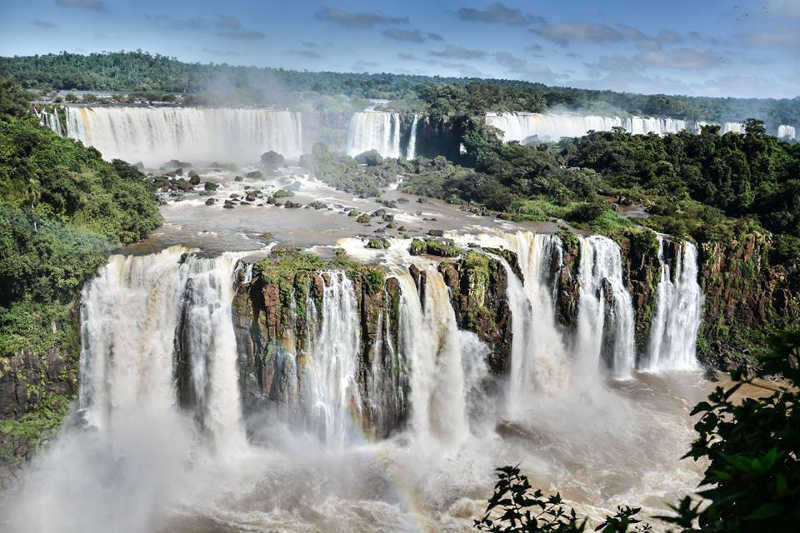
point(163, 444)
point(154, 135)
point(374, 130)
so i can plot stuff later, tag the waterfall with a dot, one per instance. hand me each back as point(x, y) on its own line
point(133, 316)
point(735, 127)
point(50, 120)
point(155, 135)
point(605, 329)
point(539, 359)
point(678, 310)
point(411, 151)
point(786, 132)
point(333, 366)
point(374, 130)
point(551, 127)
point(446, 364)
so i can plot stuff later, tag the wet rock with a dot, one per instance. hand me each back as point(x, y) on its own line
point(436, 233)
point(388, 218)
point(211, 186)
point(316, 204)
point(211, 201)
point(194, 180)
point(363, 218)
point(251, 196)
point(234, 196)
point(255, 174)
point(238, 178)
point(378, 213)
point(292, 205)
point(228, 204)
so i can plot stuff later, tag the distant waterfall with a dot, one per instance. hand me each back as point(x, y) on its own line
point(735, 127)
point(133, 315)
point(605, 316)
point(678, 309)
point(551, 127)
point(155, 135)
point(374, 130)
point(411, 151)
point(786, 132)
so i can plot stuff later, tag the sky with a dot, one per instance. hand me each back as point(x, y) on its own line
point(740, 48)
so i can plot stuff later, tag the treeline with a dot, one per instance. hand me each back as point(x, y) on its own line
point(142, 72)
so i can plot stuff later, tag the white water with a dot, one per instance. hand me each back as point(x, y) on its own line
point(374, 130)
point(554, 126)
point(735, 127)
point(539, 358)
point(334, 362)
point(678, 309)
point(130, 314)
point(600, 275)
point(50, 120)
point(154, 135)
point(411, 151)
point(786, 132)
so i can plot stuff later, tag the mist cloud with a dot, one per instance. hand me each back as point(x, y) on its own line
point(457, 52)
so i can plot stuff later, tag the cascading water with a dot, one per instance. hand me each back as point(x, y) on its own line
point(51, 120)
point(554, 126)
point(539, 359)
point(446, 364)
point(735, 127)
point(133, 313)
point(786, 132)
point(605, 329)
point(411, 151)
point(335, 400)
point(678, 309)
point(155, 135)
point(374, 130)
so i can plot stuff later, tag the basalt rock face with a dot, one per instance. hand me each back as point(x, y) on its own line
point(642, 272)
point(745, 295)
point(568, 287)
point(36, 389)
point(279, 318)
point(477, 286)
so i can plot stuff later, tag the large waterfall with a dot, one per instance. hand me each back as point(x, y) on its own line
point(154, 135)
point(377, 405)
point(678, 307)
point(554, 126)
point(374, 130)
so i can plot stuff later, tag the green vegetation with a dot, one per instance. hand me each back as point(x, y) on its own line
point(364, 175)
point(752, 479)
point(63, 209)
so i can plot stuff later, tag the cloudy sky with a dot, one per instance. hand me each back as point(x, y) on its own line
point(697, 47)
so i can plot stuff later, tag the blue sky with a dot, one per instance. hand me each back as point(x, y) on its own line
point(747, 48)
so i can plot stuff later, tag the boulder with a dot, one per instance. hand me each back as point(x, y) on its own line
point(255, 174)
point(228, 204)
point(210, 201)
point(211, 186)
